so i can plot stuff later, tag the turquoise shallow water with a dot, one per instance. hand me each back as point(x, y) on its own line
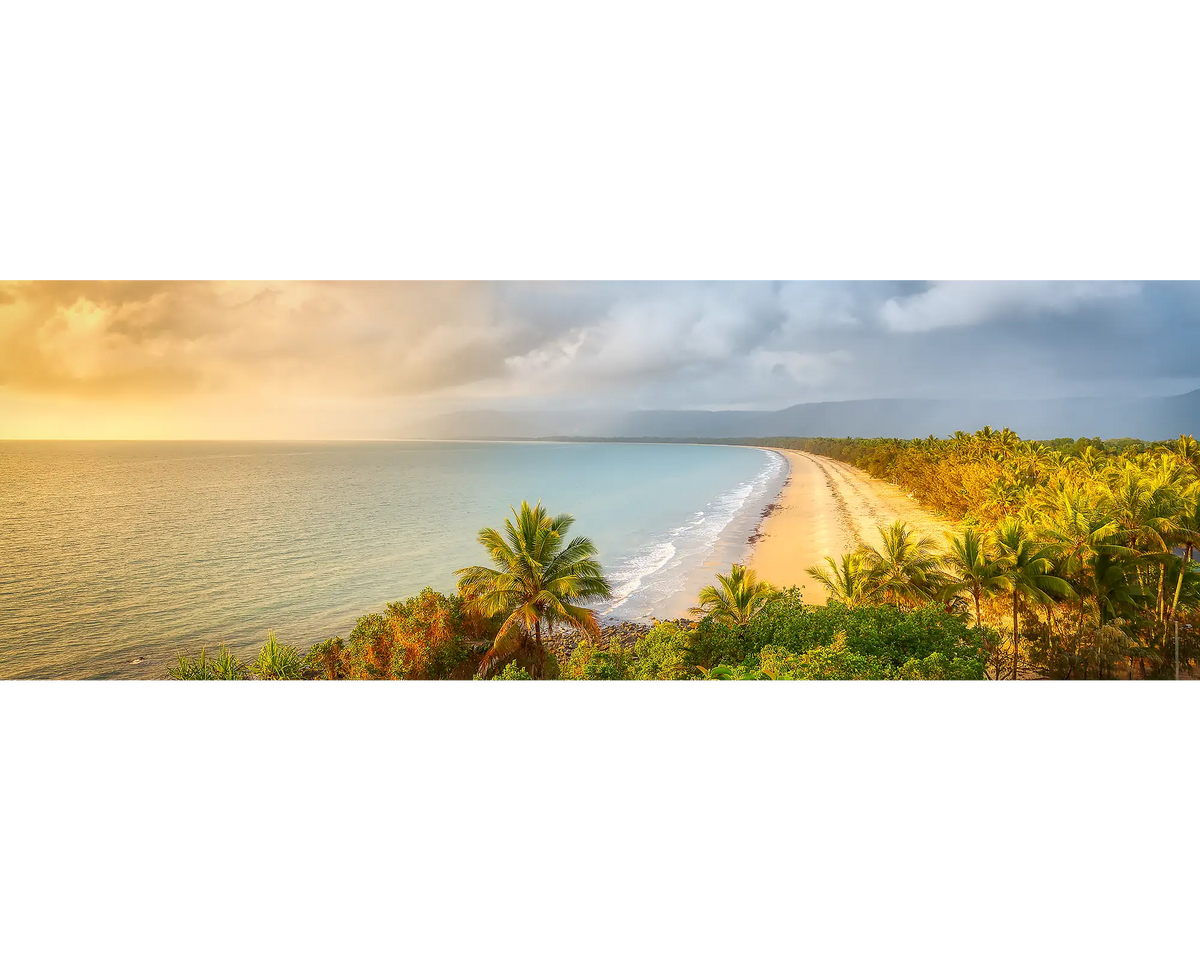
point(116, 556)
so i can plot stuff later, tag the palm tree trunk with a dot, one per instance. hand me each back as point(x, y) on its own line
point(1079, 626)
point(1015, 638)
point(539, 652)
point(1053, 643)
point(1179, 588)
point(1162, 600)
point(978, 618)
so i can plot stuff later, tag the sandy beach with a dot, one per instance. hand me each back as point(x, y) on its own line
point(828, 508)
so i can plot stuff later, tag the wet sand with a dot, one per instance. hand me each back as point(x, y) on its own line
point(734, 545)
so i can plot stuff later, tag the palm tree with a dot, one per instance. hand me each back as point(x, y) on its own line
point(1187, 534)
point(906, 567)
point(1111, 643)
point(851, 580)
point(973, 569)
point(1187, 449)
point(737, 598)
point(537, 579)
point(1112, 589)
point(1143, 505)
point(1025, 571)
point(1086, 464)
point(1169, 480)
point(1004, 496)
point(1079, 531)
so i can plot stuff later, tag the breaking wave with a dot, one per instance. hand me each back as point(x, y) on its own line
point(659, 570)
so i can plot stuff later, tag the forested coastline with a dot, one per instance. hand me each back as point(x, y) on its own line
point(1073, 559)
point(1088, 545)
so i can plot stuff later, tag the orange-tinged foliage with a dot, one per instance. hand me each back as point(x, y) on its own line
point(424, 627)
point(373, 649)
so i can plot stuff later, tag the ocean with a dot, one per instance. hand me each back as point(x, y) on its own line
point(115, 557)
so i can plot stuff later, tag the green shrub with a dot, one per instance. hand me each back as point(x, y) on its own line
point(838, 662)
point(937, 666)
point(513, 672)
point(882, 633)
point(199, 668)
point(371, 649)
point(278, 661)
point(663, 654)
point(328, 660)
point(226, 666)
point(776, 663)
point(712, 644)
point(589, 661)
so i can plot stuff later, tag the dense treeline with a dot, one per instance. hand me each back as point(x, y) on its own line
point(1089, 546)
point(952, 475)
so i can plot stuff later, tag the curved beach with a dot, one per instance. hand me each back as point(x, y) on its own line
point(828, 508)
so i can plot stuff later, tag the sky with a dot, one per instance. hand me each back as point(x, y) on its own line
point(299, 360)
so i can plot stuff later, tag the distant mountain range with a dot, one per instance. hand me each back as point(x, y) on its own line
point(1147, 418)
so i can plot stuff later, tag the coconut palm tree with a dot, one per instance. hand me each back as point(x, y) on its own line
point(1088, 463)
point(1187, 449)
point(1113, 587)
point(1110, 643)
point(1025, 571)
point(1186, 534)
point(906, 568)
point(737, 597)
point(538, 579)
point(851, 580)
point(1170, 478)
point(1079, 530)
point(1142, 499)
point(972, 568)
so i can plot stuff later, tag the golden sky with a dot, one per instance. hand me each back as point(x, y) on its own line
point(234, 359)
point(308, 360)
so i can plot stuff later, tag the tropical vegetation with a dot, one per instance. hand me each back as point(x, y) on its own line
point(1070, 560)
point(1087, 548)
point(539, 580)
point(736, 597)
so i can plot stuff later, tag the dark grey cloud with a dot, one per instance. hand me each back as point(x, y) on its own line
point(773, 344)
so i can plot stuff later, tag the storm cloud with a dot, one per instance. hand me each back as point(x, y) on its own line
point(359, 358)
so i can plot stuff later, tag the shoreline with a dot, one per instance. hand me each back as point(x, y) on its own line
point(733, 545)
point(827, 508)
point(823, 508)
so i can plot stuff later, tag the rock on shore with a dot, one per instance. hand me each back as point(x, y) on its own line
point(626, 633)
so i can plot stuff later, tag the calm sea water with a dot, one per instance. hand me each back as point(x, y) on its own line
point(114, 557)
